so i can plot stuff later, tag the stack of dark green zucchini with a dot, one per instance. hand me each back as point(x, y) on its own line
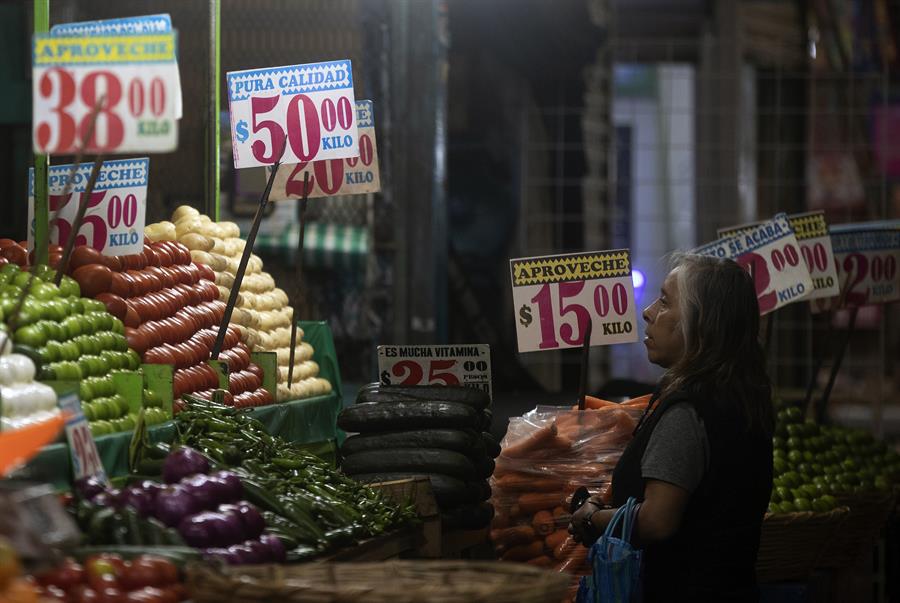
point(433, 431)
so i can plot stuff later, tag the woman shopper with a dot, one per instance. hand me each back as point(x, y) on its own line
point(700, 461)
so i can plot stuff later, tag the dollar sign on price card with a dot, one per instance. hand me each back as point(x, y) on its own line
point(241, 131)
point(385, 378)
point(525, 315)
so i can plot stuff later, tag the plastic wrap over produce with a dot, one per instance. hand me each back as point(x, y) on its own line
point(546, 455)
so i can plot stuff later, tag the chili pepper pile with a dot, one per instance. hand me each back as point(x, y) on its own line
point(304, 500)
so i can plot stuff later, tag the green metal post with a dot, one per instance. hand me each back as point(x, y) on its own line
point(41, 162)
point(214, 92)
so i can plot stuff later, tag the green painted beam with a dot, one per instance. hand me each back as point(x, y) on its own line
point(41, 162)
point(213, 158)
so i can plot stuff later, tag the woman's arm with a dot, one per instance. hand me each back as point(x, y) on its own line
point(659, 516)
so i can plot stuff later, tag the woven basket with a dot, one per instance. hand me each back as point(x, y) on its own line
point(386, 582)
point(859, 531)
point(791, 543)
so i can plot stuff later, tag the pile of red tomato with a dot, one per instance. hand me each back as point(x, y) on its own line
point(110, 579)
point(171, 310)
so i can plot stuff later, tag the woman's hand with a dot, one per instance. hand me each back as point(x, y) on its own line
point(585, 525)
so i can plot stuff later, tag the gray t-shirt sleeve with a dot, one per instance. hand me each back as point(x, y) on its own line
point(678, 451)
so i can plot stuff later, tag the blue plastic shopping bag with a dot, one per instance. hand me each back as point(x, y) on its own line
point(615, 563)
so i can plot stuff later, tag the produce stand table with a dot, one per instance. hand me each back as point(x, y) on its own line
point(308, 421)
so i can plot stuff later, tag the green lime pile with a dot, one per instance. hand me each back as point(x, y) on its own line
point(70, 338)
point(815, 464)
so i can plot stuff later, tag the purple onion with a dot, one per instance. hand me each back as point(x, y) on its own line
point(246, 554)
point(89, 487)
point(201, 490)
point(221, 490)
point(210, 529)
point(277, 553)
point(235, 488)
point(151, 488)
point(140, 500)
point(174, 504)
point(183, 462)
point(262, 550)
point(222, 555)
point(253, 521)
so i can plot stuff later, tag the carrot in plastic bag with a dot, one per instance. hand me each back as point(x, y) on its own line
point(542, 561)
point(556, 538)
point(533, 502)
point(524, 552)
point(534, 441)
point(564, 549)
point(543, 523)
point(527, 482)
point(510, 537)
point(640, 401)
point(575, 560)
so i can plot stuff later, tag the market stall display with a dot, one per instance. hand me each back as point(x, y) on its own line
point(434, 431)
point(308, 505)
point(262, 309)
point(70, 338)
point(167, 308)
point(546, 455)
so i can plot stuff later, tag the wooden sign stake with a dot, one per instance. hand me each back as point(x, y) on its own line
point(838, 360)
point(245, 256)
point(79, 220)
point(585, 357)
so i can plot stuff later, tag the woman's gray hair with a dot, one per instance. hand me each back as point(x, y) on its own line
point(720, 325)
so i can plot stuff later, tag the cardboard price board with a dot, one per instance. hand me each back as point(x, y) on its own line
point(554, 298)
point(351, 176)
point(468, 365)
point(136, 75)
point(308, 109)
point(811, 231)
point(83, 450)
point(114, 220)
point(770, 252)
point(150, 24)
point(867, 256)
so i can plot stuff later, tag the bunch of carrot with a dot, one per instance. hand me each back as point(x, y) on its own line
point(545, 457)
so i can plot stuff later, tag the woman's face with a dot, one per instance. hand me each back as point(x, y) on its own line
point(664, 341)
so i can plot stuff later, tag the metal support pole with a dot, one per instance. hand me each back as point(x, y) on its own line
point(214, 91)
point(41, 163)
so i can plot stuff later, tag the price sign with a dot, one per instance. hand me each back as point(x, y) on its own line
point(867, 256)
point(150, 24)
point(770, 252)
point(136, 75)
point(114, 221)
point(468, 365)
point(811, 232)
point(555, 297)
point(351, 176)
point(82, 448)
point(308, 109)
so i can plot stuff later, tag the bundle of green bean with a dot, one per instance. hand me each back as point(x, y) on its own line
point(306, 501)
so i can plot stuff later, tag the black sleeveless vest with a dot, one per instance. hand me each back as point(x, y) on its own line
point(712, 557)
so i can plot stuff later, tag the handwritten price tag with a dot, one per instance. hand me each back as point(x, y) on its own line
point(351, 176)
point(867, 255)
point(150, 24)
point(554, 298)
point(770, 252)
point(308, 108)
point(82, 448)
point(811, 231)
point(138, 76)
point(114, 221)
point(468, 365)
